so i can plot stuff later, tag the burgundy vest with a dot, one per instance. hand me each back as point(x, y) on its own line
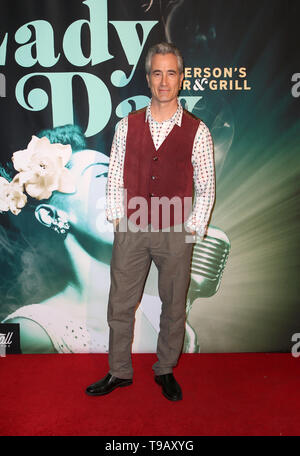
point(153, 174)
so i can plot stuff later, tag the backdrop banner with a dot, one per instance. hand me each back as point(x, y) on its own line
point(69, 71)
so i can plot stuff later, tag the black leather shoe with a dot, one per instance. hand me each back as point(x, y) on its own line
point(107, 385)
point(170, 388)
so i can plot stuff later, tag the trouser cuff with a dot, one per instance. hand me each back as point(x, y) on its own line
point(123, 375)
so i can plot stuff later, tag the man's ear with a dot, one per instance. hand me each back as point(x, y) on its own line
point(181, 79)
point(46, 214)
point(148, 80)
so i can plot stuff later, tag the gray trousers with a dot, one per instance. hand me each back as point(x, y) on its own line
point(131, 258)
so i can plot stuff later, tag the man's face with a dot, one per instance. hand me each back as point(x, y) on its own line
point(164, 79)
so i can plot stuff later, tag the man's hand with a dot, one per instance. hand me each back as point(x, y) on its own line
point(116, 223)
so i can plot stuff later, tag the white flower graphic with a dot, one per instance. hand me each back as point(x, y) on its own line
point(11, 196)
point(42, 168)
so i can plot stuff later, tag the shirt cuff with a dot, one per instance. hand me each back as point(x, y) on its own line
point(114, 213)
point(198, 227)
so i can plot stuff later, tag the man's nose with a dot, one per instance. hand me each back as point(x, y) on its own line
point(164, 78)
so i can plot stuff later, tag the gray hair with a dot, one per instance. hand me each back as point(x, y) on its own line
point(163, 48)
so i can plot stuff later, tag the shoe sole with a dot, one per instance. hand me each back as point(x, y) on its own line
point(112, 389)
point(166, 395)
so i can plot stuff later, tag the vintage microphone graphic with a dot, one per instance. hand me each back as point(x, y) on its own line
point(208, 263)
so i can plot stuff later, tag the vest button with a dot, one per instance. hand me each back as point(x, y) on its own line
point(155, 158)
point(153, 177)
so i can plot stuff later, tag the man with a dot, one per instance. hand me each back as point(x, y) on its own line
point(157, 152)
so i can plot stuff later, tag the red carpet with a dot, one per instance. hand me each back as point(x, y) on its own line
point(246, 394)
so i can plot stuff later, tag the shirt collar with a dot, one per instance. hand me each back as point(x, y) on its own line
point(176, 118)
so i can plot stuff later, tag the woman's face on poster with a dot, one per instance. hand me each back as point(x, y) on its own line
point(86, 206)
